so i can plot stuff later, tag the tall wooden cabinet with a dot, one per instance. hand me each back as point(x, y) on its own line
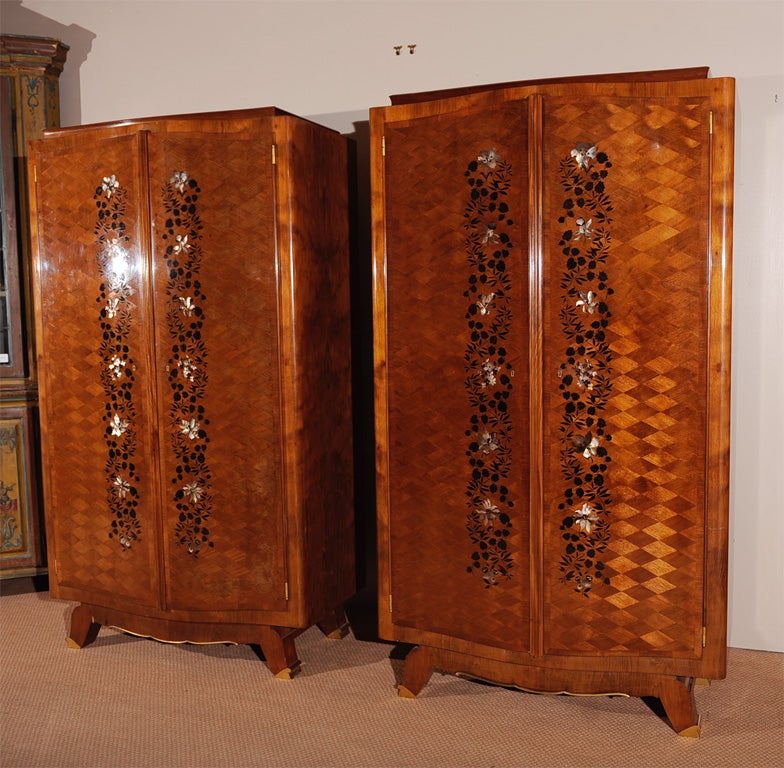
point(192, 306)
point(552, 332)
point(30, 69)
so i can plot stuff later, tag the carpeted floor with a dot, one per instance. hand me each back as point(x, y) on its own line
point(135, 703)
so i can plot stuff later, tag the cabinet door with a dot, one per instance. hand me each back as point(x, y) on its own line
point(452, 348)
point(624, 371)
point(92, 305)
point(216, 341)
point(625, 374)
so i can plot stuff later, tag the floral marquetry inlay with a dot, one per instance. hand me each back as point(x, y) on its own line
point(584, 376)
point(116, 317)
point(488, 372)
point(187, 363)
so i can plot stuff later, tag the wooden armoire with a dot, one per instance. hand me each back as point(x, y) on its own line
point(552, 337)
point(192, 309)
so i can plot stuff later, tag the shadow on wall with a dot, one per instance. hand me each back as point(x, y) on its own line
point(362, 359)
point(17, 20)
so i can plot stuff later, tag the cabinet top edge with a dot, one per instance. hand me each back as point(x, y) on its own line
point(653, 75)
point(719, 90)
point(182, 122)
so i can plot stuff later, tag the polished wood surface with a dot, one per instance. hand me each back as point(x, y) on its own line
point(618, 275)
point(196, 484)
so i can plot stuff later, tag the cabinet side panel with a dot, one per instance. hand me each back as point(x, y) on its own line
point(456, 209)
point(100, 493)
point(216, 344)
point(314, 240)
point(626, 202)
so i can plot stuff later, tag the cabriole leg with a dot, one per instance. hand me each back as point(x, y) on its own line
point(335, 625)
point(83, 629)
point(677, 698)
point(280, 652)
point(417, 671)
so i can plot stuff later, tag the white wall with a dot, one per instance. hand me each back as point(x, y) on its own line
point(333, 60)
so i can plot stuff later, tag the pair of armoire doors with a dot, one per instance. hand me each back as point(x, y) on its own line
point(552, 294)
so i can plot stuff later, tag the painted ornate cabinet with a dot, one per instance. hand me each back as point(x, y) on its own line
point(30, 68)
point(552, 309)
point(192, 304)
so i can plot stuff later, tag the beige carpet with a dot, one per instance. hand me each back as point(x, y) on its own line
point(126, 701)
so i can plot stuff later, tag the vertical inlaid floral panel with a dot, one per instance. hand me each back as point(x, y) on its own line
point(118, 313)
point(490, 326)
point(187, 364)
point(585, 373)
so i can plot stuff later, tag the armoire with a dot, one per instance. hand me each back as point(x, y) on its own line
point(552, 292)
point(192, 310)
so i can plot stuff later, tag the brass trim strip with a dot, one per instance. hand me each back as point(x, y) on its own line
point(541, 693)
point(173, 642)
